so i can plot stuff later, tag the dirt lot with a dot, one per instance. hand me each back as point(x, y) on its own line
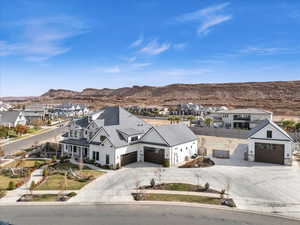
point(156, 122)
point(220, 143)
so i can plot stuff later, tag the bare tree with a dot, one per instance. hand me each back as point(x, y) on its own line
point(228, 182)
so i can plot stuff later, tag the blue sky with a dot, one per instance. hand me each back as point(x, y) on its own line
point(75, 44)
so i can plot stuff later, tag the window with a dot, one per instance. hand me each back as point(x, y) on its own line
point(107, 159)
point(135, 138)
point(269, 134)
point(102, 138)
point(96, 156)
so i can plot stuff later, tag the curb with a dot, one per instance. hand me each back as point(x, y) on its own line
point(149, 203)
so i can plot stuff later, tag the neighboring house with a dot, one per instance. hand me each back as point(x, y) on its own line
point(270, 143)
point(117, 138)
point(71, 110)
point(240, 118)
point(4, 107)
point(12, 118)
point(35, 112)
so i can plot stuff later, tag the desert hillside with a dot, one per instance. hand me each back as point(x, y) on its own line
point(281, 97)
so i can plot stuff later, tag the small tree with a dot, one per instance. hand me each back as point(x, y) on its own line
point(1, 151)
point(206, 186)
point(11, 185)
point(208, 121)
point(191, 118)
point(32, 186)
point(45, 172)
point(152, 183)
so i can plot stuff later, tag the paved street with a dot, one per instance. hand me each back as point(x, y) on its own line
point(28, 142)
point(132, 215)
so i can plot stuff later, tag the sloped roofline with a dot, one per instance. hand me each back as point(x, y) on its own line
point(157, 133)
point(267, 122)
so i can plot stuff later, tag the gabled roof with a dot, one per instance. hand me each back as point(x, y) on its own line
point(263, 124)
point(130, 131)
point(9, 117)
point(82, 122)
point(174, 134)
point(115, 119)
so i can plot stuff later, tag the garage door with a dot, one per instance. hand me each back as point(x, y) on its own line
point(128, 158)
point(154, 155)
point(269, 153)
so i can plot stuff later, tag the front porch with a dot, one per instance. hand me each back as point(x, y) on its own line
point(77, 149)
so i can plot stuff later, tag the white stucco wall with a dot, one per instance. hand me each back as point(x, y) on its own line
point(179, 153)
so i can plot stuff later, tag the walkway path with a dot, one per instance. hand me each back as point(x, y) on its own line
point(13, 196)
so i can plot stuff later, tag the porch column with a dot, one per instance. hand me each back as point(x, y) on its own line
point(81, 149)
point(72, 151)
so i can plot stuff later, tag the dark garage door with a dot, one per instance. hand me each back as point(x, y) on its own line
point(154, 155)
point(270, 153)
point(128, 158)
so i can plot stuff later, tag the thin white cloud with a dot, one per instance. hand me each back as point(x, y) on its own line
point(207, 18)
point(137, 42)
point(43, 38)
point(140, 65)
point(155, 48)
point(115, 69)
point(180, 46)
point(267, 51)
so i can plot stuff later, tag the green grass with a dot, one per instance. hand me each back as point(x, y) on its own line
point(182, 198)
point(56, 182)
point(2, 194)
point(43, 198)
point(25, 164)
point(4, 181)
point(178, 187)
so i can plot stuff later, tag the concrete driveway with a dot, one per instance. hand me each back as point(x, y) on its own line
point(254, 186)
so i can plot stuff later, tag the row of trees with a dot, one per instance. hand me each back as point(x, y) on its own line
point(290, 125)
point(13, 131)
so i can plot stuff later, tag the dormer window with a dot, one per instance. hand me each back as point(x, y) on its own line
point(134, 138)
point(269, 134)
point(102, 138)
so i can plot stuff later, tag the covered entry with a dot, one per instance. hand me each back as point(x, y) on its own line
point(269, 153)
point(128, 158)
point(154, 155)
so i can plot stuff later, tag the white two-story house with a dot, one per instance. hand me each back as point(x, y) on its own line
point(116, 138)
point(240, 118)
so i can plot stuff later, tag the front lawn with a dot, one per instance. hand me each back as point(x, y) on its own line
point(4, 181)
point(181, 198)
point(180, 187)
point(57, 181)
point(46, 197)
point(25, 163)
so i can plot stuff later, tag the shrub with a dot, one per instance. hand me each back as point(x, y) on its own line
point(45, 172)
point(206, 186)
point(37, 164)
point(32, 186)
point(54, 158)
point(71, 194)
point(166, 163)
point(152, 183)
point(11, 185)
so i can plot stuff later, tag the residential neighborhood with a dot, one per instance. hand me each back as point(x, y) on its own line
point(149, 112)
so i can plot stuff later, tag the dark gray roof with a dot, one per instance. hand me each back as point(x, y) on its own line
point(130, 131)
point(81, 142)
point(82, 122)
point(263, 124)
point(9, 117)
point(115, 118)
point(175, 134)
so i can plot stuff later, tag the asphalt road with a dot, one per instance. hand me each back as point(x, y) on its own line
point(132, 215)
point(28, 142)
